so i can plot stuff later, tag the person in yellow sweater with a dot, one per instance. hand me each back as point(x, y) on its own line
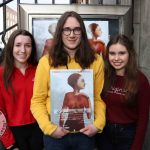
point(70, 50)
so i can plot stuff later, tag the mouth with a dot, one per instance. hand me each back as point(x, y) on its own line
point(117, 64)
point(22, 56)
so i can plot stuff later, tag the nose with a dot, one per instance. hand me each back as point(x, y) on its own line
point(71, 33)
point(116, 57)
point(23, 48)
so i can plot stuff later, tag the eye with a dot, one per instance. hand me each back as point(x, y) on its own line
point(28, 45)
point(122, 52)
point(77, 30)
point(112, 53)
point(66, 29)
point(18, 45)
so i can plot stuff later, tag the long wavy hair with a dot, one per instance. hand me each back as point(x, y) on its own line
point(8, 62)
point(131, 70)
point(85, 55)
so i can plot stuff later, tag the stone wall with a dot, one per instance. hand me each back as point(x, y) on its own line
point(141, 36)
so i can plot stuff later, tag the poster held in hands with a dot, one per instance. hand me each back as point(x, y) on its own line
point(72, 100)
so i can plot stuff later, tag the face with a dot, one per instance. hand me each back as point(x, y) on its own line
point(98, 31)
point(22, 49)
point(81, 83)
point(118, 58)
point(72, 41)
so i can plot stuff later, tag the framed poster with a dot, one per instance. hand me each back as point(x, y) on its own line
point(111, 19)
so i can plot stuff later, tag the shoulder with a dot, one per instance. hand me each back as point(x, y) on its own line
point(33, 67)
point(84, 95)
point(142, 77)
point(68, 95)
point(1, 68)
point(1, 71)
point(143, 80)
point(44, 60)
point(99, 60)
point(43, 64)
point(100, 42)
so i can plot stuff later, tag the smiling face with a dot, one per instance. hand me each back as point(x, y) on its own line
point(98, 31)
point(118, 58)
point(72, 41)
point(22, 49)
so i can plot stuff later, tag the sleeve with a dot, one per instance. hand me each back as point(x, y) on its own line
point(64, 106)
point(7, 138)
point(99, 105)
point(143, 113)
point(40, 100)
point(6, 135)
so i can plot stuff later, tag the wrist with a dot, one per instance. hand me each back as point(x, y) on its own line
point(12, 147)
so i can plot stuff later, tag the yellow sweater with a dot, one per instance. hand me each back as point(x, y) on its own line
point(40, 102)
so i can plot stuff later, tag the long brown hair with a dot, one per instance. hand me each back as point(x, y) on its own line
point(8, 62)
point(84, 55)
point(131, 70)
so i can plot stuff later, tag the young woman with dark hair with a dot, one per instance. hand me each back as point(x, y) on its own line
point(126, 93)
point(16, 87)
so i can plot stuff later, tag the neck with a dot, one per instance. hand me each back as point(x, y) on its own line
point(120, 72)
point(71, 52)
point(94, 38)
point(76, 91)
point(22, 67)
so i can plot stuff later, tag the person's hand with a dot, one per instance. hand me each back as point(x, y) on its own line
point(89, 130)
point(16, 149)
point(59, 133)
point(13, 147)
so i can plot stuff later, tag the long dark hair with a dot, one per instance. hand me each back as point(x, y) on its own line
point(131, 70)
point(8, 62)
point(84, 55)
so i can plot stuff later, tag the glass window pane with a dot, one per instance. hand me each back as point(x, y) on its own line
point(1, 27)
point(44, 1)
point(62, 1)
point(13, 5)
point(1, 19)
point(11, 17)
point(27, 1)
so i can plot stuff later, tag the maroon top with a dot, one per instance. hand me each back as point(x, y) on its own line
point(118, 112)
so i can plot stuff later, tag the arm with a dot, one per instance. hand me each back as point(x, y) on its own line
point(64, 112)
point(143, 98)
point(89, 110)
point(87, 106)
point(99, 105)
point(40, 102)
point(6, 136)
point(7, 139)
